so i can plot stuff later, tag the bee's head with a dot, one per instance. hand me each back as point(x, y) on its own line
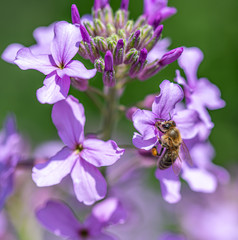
point(165, 125)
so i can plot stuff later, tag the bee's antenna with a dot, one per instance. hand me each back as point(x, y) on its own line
point(170, 117)
point(160, 119)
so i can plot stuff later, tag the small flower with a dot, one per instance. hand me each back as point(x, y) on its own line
point(200, 94)
point(59, 219)
point(80, 157)
point(11, 151)
point(58, 66)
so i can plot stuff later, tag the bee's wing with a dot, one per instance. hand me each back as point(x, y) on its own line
point(177, 165)
point(185, 154)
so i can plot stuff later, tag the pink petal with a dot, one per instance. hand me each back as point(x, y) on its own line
point(44, 35)
point(146, 144)
point(89, 184)
point(170, 95)
point(186, 121)
point(100, 153)
point(53, 171)
point(54, 89)
point(9, 54)
point(199, 180)
point(78, 70)
point(64, 46)
point(189, 61)
point(42, 63)
point(58, 219)
point(170, 185)
point(71, 126)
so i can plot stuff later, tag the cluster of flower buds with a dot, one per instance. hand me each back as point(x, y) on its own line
point(118, 46)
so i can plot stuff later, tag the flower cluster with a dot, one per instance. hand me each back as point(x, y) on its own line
point(121, 50)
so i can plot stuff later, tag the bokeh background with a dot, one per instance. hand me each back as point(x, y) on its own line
point(210, 25)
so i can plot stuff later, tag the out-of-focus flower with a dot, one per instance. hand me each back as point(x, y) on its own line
point(212, 216)
point(58, 66)
point(43, 37)
point(60, 220)
point(171, 236)
point(200, 94)
point(80, 157)
point(157, 10)
point(11, 152)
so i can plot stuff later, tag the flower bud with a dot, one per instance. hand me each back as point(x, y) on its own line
point(170, 56)
point(99, 65)
point(133, 41)
point(101, 43)
point(89, 28)
point(129, 27)
point(109, 74)
point(139, 22)
point(75, 14)
point(108, 14)
point(124, 5)
point(157, 33)
point(100, 28)
point(131, 56)
point(110, 29)
point(120, 19)
point(119, 52)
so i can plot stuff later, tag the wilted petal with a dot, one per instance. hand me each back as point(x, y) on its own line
point(109, 211)
point(42, 63)
point(100, 153)
point(54, 89)
point(9, 54)
point(170, 185)
point(89, 184)
point(64, 46)
point(170, 95)
point(189, 62)
point(199, 180)
point(53, 171)
point(186, 121)
point(71, 126)
point(57, 218)
point(78, 70)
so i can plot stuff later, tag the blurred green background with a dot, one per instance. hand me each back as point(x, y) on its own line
point(210, 25)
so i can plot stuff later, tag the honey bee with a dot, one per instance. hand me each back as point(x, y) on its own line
point(171, 143)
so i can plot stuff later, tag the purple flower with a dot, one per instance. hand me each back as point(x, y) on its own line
point(200, 94)
point(43, 37)
point(59, 219)
point(144, 121)
point(154, 9)
point(80, 157)
point(171, 236)
point(58, 66)
point(11, 148)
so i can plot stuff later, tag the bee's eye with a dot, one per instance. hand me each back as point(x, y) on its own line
point(167, 125)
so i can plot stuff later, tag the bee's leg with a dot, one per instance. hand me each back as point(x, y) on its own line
point(156, 124)
point(161, 150)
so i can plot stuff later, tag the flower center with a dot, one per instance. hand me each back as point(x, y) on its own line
point(79, 148)
point(83, 233)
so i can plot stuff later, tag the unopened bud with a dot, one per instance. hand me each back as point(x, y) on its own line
point(110, 29)
point(131, 56)
point(124, 5)
point(138, 66)
point(121, 33)
point(83, 51)
point(101, 43)
point(133, 41)
point(129, 27)
point(75, 14)
point(99, 65)
point(120, 19)
point(119, 52)
point(150, 70)
point(146, 34)
point(89, 28)
point(157, 21)
point(170, 56)
point(108, 14)
point(111, 44)
point(86, 37)
point(155, 38)
point(109, 74)
point(100, 28)
point(139, 22)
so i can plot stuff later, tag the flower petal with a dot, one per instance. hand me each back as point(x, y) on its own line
point(58, 219)
point(54, 170)
point(55, 89)
point(77, 69)
point(89, 184)
point(170, 185)
point(100, 153)
point(71, 126)
point(9, 54)
point(42, 63)
point(170, 95)
point(189, 61)
point(64, 46)
point(44, 35)
point(146, 144)
point(199, 180)
point(186, 121)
